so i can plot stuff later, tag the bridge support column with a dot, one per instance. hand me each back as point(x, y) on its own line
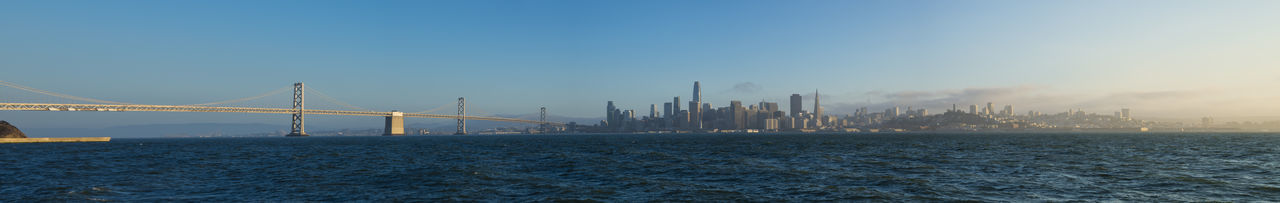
point(395, 124)
point(298, 127)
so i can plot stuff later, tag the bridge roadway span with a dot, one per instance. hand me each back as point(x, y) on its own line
point(171, 108)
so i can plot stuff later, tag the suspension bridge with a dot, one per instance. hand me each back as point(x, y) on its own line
point(394, 124)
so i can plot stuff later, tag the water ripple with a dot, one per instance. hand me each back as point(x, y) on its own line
point(879, 167)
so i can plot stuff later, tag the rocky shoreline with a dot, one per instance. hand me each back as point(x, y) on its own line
point(9, 131)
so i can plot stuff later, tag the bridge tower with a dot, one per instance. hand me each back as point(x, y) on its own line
point(542, 120)
point(462, 111)
point(298, 128)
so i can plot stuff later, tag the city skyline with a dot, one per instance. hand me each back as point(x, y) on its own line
point(769, 117)
point(640, 100)
point(1176, 59)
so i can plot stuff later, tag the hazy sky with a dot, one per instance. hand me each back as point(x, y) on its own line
point(1163, 58)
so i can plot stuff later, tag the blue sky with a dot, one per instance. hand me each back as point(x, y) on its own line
point(1164, 58)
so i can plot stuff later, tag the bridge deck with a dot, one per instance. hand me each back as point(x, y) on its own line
point(171, 108)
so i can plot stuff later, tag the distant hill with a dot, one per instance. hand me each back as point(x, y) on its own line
point(440, 125)
point(160, 130)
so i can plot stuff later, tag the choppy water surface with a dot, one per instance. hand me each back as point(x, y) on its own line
point(891, 167)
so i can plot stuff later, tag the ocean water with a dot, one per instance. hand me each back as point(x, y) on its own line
point(875, 167)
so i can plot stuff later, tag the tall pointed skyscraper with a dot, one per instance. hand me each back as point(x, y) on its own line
point(817, 110)
point(695, 120)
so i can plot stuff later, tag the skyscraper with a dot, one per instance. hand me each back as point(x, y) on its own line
point(796, 105)
point(695, 107)
point(666, 110)
point(675, 104)
point(653, 111)
point(708, 115)
point(693, 120)
point(1125, 112)
point(669, 116)
point(738, 115)
point(990, 107)
point(769, 106)
point(973, 109)
point(675, 107)
point(609, 116)
point(817, 110)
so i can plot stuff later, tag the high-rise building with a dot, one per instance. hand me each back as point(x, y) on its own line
point(695, 107)
point(682, 118)
point(668, 115)
point(666, 110)
point(990, 107)
point(796, 105)
point(973, 109)
point(653, 111)
point(738, 115)
point(675, 102)
point(694, 120)
point(1125, 113)
point(817, 110)
point(1008, 110)
point(610, 117)
point(617, 117)
point(769, 108)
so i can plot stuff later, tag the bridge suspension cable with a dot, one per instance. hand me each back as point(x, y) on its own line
point(441, 107)
point(473, 111)
point(64, 96)
point(273, 92)
point(329, 99)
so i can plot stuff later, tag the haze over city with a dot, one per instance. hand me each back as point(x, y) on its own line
point(1166, 60)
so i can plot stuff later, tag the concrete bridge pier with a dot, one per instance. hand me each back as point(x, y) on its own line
point(395, 124)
